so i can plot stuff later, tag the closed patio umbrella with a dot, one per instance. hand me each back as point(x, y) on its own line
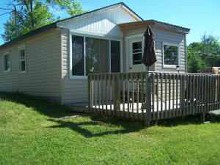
point(148, 59)
point(149, 56)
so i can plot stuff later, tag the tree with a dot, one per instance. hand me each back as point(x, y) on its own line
point(203, 54)
point(29, 15)
point(195, 63)
point(12, 27)
point(72, 7)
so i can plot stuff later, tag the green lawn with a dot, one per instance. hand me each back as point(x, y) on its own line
point(33, 131)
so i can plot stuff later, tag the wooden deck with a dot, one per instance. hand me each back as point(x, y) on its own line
point(153, 96)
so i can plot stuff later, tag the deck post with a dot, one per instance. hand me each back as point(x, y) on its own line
point(116, 96)
point(89, 93)
point(203, 117)
point(148, 99)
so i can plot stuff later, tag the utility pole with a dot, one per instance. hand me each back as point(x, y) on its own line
point(15, 18)
point(31, 14)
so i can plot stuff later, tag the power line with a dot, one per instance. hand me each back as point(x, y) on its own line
point(1, 8)
point(4, 13)
point(17, 4)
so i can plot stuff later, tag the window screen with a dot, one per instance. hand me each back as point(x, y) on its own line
point(77, 55)
point(97, 55)
point(115, 56)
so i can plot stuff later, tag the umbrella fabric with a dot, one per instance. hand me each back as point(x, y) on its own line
point(149, 56)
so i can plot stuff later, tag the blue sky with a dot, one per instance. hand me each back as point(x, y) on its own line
point(201, 16)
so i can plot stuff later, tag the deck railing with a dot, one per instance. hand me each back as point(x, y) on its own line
point(153, 96)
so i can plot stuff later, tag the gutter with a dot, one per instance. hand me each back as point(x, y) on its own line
point(29, 34)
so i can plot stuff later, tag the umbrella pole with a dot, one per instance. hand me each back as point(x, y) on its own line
point(148, 98)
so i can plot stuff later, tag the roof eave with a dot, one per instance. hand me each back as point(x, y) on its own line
point(171, 26)
point(140, 24)
point(29, 34)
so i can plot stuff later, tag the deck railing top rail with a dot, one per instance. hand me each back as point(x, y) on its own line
point(154, 72)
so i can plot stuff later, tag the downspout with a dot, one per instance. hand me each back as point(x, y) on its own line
point(186, 55)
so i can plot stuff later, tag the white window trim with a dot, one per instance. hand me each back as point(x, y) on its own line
point(90, 36)
point(178, 55)
point(135, 38)
point(70, 57)
point(8, 70)
point(135, 41)
point(25, 59)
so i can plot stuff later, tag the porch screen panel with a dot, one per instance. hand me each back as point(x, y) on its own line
point(77, 55)
point(115, 56)
point(97, 55)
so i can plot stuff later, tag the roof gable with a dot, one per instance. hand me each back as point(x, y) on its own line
point(121, 5)
point(101, 22)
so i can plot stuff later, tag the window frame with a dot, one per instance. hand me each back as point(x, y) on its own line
point(84, 53)
point(178, 54)
point(136, 41)
point(20, 60)
point(9, 68)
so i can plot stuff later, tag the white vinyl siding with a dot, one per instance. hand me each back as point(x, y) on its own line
point(43, 59)
point(174, 39)
point(73, 90)
point(160, 36)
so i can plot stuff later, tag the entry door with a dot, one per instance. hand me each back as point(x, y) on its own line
point(135, 47)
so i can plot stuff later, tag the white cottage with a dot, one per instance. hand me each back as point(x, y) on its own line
point(54, 61)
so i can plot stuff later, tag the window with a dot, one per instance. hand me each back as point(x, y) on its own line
point(97, 55)
point(115, 56)
point(77, 55)
point(137, 52)
point(170, 54)
point(7, 63)
point(22, 60)
point(94, 55)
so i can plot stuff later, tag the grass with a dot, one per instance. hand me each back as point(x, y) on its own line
point(33, 131)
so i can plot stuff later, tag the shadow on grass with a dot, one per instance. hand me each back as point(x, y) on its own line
point(124, 127)
point(57, 114)
point(191, 119)
point(50, 109)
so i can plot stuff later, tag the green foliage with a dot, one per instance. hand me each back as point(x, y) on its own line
point(72, 7)
point(12, 31)
point(32, 14)
point(195, 63)
point(33, 131)
point(203, 54)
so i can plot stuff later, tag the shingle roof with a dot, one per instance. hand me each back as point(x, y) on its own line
point(154, 22)
point(54, 25)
